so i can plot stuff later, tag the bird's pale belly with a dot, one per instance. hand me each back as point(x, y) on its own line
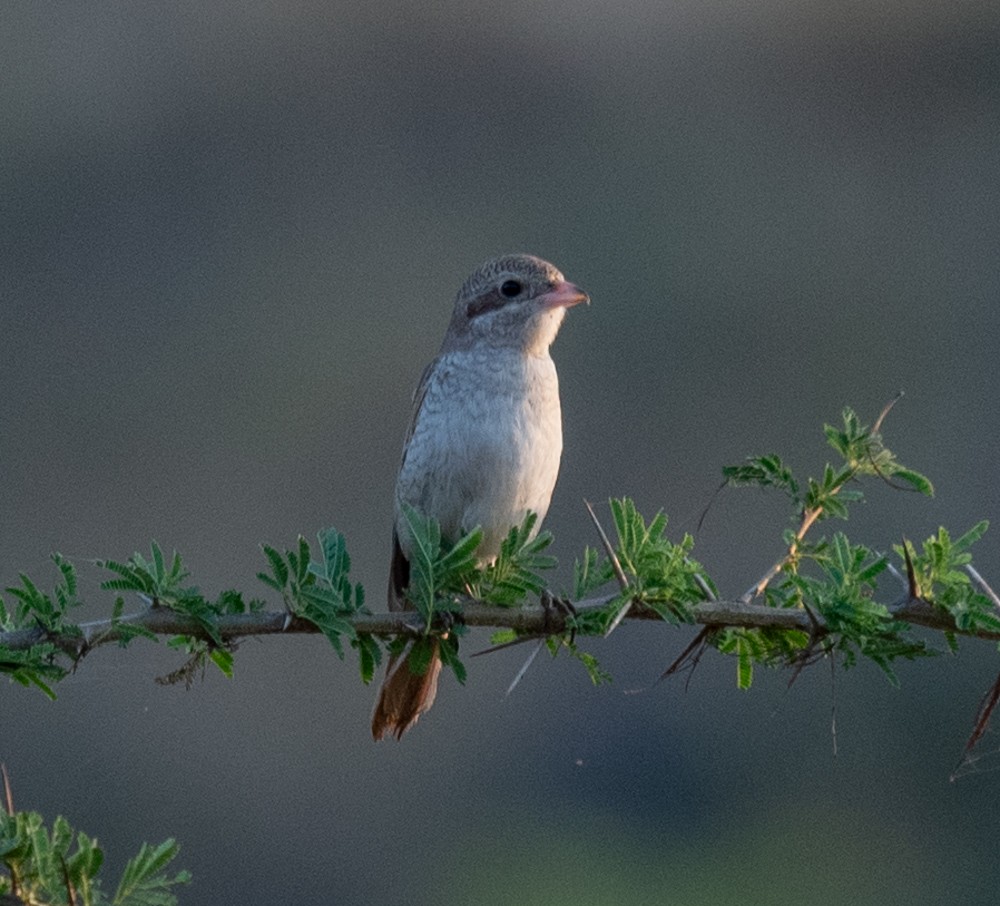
point(485, 467)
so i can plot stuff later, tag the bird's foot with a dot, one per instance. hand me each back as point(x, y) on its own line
point(442, 622)
point(557, 611)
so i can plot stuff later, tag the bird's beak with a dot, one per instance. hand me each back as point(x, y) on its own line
point(563, 295)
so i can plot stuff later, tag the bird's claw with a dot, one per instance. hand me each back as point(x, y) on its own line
point(443, 621)
point(556, 613)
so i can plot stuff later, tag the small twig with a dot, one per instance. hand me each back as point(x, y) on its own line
point(875, 430)
point(565, 609)
point(622, 613)
point(809, 518)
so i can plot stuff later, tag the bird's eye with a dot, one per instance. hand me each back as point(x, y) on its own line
point(511, 288)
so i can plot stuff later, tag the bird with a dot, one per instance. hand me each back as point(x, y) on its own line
point(484, 442)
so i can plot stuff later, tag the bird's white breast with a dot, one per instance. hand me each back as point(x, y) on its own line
point(486, 444)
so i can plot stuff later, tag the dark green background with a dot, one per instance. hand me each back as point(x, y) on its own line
point(231, 234)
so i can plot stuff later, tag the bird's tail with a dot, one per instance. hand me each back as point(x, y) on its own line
point(408, 689)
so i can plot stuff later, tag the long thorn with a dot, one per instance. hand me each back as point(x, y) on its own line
point(520, 640)
point(911, 571)
point(8, 794)
point(896, 574)
point(616, 565)
point(524, 668)
point(708, 506)
point(986, 708)
point(983, 584)
point(885, 411)
point(697, 642)
point(699, 580)
point(608, 549)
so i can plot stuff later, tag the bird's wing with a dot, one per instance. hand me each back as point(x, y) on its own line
point(418, 401)
point(399, 566)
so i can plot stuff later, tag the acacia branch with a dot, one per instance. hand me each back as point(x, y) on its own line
point(526, 621)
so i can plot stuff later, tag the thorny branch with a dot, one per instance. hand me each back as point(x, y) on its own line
point(527, 621)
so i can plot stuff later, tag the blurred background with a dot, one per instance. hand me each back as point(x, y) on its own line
point(231, 236)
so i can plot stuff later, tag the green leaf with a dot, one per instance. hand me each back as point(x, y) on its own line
point(965, 541)
point(590, 573)
point(279, 571)
point(660, 574)
point(763, 471)
point(503, 637)
point(336, 560)
point(158, 569)
point(516, 571)
point(421, 654)
point(301, 562)
point(462, 557)
point(144, 882)
point(744, 662)
point(449, 656)
point(369, 656)
point(597, 675)
point(917, 481)
point(425, 547)
point(223, 659)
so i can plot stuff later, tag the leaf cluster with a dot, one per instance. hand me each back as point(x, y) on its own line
point(439, 570)
point(515, 574)
point(39, 665)
point(60, 865)
point(662, 577)
point(658, 573)
point(835, 580)
point(322, 593)
point(48, 611)
point(939, 578)
point(159, 581)
point(443, 575)
point(861, 451)
point(839, 591)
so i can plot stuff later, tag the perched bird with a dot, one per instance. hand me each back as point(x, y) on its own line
point(485, 438)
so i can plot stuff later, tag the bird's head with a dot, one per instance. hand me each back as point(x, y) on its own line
point(514, 302)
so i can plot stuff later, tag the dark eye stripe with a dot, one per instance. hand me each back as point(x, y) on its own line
point(490, 301)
